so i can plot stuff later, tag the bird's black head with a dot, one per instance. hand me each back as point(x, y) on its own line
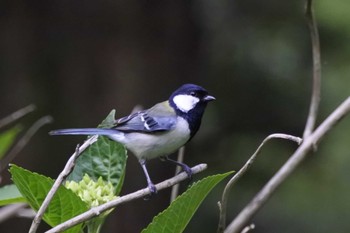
point(189, 101)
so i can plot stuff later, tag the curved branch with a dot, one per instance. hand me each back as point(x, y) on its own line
point(285, 171)
point(316, 57)
point(16, 115)
point(24, 140)
point(9, 211)
point(239, 174)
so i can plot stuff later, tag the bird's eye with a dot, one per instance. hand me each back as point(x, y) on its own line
point(193, 93)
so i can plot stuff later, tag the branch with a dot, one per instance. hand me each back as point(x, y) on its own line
point(62, 176)
point(16, 115)
point(239, 174)
point(251, 227)
point(299, 155)
point(9, 211)
point(316, 56)
point(175, 188)
point(24, 140)
point(95, 211)
point(26, 213)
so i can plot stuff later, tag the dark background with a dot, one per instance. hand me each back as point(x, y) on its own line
point(77, 60)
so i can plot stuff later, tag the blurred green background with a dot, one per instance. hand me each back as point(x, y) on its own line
point(77, 60)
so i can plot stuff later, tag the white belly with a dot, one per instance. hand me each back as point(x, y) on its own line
point(153, 145)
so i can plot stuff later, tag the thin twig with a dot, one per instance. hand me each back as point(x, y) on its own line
point(248, 228)
point(16, 115)
point(175, 188)
point(24, 140)
point(285, 171)
point(95, 211)
point(225, 195)
point(9, 211)
point(26, 213)
point(316, 57)
point(62, 176)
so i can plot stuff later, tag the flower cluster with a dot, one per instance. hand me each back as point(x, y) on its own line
point(94, 193)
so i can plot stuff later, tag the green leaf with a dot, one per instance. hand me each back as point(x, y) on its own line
point(34, 188)
point(105, 158)
point(7, 138)
point(176, 217)
point(109, 122)
point(9, 194)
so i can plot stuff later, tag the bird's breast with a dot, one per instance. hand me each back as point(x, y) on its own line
point(153, 145)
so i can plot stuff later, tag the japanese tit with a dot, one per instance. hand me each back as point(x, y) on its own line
point(159, 130)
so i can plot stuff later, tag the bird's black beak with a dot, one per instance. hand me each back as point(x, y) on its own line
point(209, 98)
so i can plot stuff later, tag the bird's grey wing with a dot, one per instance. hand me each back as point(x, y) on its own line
point(145, 122)
point(158, 118)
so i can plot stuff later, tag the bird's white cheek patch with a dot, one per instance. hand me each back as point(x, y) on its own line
point(185, 102)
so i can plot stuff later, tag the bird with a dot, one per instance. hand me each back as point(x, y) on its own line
point(158, 131)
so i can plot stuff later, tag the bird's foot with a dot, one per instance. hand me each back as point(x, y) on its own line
point(188, 171)
point(153, 191)
point(184, 167)
point(152, 188)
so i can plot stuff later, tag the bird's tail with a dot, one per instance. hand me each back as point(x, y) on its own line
point(84, 131)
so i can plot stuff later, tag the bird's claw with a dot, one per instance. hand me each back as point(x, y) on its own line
point(153, 191)
point(188, 171)
point(152, 188)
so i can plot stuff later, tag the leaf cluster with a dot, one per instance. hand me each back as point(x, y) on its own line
point(103, 161)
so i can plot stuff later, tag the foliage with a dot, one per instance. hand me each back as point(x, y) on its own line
point(96, 179)
point(34, 188)
point(104, 158)
point(254, 56)
point(175, 218)
point(99, 171)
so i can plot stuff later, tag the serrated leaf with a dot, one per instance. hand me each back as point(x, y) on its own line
point(176, 217)
point(34, 187)
point(105, 158)
point(109, 122)
point(7, 138)
point(10, 194)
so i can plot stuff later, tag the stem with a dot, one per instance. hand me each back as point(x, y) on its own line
point(95, 225)
point(316, 57)
point(175, 188)
point(16, 115)
point(239, 174)
point(62, 176)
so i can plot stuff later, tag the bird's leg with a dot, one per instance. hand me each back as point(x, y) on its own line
point(184, 167)
point(151, 186)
